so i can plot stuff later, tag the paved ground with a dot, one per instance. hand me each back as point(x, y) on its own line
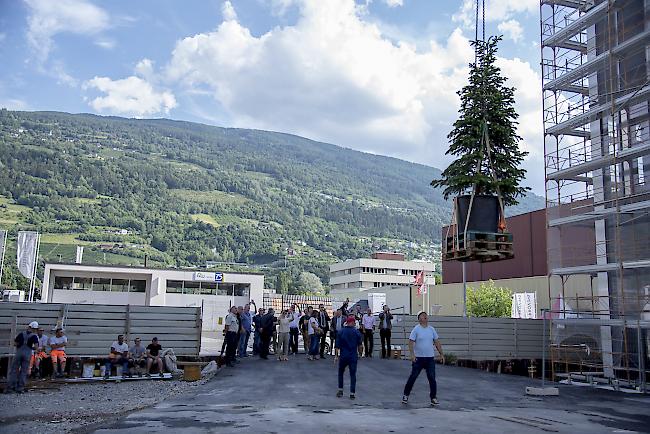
point(298, 396)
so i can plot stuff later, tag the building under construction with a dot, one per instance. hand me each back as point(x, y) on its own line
point(596, 93)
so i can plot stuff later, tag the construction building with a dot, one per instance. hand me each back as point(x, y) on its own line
point(596, 108)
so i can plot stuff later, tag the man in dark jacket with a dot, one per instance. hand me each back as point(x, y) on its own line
point(348, 344)
point(385, 327)
point(267, 327)
point(324, 324)
point(256, 336)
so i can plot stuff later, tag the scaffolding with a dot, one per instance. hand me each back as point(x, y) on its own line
point(596, 112)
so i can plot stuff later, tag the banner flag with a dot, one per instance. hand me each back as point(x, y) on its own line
point(26, 252)
point(524, 305)
point(80, 255)
point(3, 236)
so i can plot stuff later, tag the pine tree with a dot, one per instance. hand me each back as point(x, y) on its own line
point(485, 103)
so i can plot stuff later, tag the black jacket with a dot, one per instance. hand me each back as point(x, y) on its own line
point(267, 323)
point(389, 320)
point(323, 321)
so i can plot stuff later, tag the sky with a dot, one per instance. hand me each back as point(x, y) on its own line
point(378, 76)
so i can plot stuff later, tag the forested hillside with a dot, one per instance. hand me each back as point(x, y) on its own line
point(184, 193)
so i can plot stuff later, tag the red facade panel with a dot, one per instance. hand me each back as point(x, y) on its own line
point(529, 237)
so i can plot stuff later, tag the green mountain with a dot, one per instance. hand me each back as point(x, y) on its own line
point(183, 194)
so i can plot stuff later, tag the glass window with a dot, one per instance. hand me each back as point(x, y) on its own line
point(120, 285)
point(191, 287)
point(82, 283)
point(209, 288)
point(61, 282)
point(242, 289)
point(137, 286)
point(224, 289)
point(101, 284)
point(175, 286)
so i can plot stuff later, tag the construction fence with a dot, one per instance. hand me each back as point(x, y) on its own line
point(91, 328)
point(476, 339)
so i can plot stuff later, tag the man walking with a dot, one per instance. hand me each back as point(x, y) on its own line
point(294, 329)
point(231, 328)
point(246, 323)
point(324, 325)
point(348, 341)
point(25, 343)
point(421, 341)
point(368, 324)
point(385, 328)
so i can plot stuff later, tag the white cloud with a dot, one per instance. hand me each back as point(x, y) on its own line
point(394, 3)
point(228, 11)
point(129, 96)
point(512, 29)
point(107, 44)
point(13, 104)
point(3, 36)
point(495, 10)
point(332, 77)
point(48, 18)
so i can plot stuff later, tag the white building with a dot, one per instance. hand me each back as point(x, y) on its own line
point(122, 285)
point(382, 269)
point(383, 273)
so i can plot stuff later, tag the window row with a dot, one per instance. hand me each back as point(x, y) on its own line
point(99, 284)
point(208, 288)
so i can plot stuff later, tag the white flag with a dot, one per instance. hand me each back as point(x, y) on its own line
point(26, 252)
point(80, 254)
point(3, 236)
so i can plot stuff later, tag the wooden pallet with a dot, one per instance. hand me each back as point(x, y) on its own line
point(479, 246)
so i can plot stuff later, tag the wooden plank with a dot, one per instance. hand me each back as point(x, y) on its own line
point(165, 310)
point(118, 324)
point(165, 323)
point(96, 308)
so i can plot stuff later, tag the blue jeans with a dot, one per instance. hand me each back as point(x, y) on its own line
point(256, 342)
point(427, 363)
point(17, 376)
point(313, 344)
point(117, 361)
point(243, 343)
point(352, 364)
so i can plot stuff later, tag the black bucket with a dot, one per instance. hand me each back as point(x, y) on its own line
point(485, 213)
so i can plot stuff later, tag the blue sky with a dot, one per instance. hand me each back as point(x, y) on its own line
point(378, 76)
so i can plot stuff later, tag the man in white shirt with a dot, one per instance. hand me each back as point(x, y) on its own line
point(231, 327)
point(294, 329)
point(119, 355)
point(368, 324)
point(421, 341)
point(57, 344)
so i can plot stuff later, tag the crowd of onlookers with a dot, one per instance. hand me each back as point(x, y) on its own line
point(281, 332)
point(35, 350)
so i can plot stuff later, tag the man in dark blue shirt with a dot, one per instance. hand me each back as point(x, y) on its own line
point(348, 342)
point(25, 343)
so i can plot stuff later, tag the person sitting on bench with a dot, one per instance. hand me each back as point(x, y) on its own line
point(153, 355)
point(137, 357)
point(57, 344)
point(119, 355)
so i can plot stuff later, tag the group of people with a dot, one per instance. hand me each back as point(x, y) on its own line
point(351, 336)
point(33, 347)
point(282, 332)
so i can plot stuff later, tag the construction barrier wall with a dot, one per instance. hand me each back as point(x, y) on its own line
point(475, 338)
point(91, 328)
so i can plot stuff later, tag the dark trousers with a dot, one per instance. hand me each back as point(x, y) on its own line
point(293, 340)
point(17, 377)
point(368, 342)
point(231, 346)
point(352, 364)
point(384, 335)
point(323, 342)
point(256, 343)
point(265, 342)
point(427, 363)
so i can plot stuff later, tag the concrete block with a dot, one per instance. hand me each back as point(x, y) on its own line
point(542, 391)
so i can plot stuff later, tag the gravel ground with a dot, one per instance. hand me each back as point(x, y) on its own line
point(81, 407)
